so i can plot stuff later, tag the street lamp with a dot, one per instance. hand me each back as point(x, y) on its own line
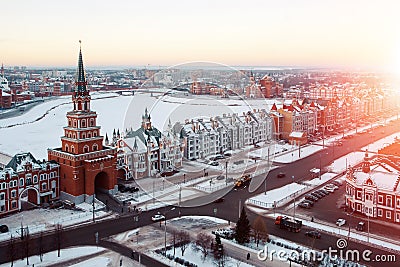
point(294, 201)
point(165, 231)
point(226, 172)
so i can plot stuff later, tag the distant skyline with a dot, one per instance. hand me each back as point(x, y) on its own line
point(314, 33)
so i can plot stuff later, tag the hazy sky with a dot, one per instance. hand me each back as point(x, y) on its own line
point(339, 33)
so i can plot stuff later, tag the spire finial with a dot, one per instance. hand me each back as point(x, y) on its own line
point(81, 81)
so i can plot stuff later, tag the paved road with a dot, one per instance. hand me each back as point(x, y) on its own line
point(85, 234)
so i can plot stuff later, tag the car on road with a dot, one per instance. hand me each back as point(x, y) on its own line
point(313, 234)
point(220, 177)
point(304, 205)
point(219, 156)
point(214, 163)
point(219, 200)
point(158, 217)
point(340, 222)
point(360, 226)
point(3, 228)
point(281, 175)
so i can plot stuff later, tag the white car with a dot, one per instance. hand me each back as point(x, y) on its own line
point(157, 217)
point(340, 222)
point(332, 186)
point(329, 189)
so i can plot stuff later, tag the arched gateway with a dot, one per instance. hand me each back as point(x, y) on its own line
point(85, 163)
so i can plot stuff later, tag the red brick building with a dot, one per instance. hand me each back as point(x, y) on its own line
point(25, 177)
point(86, 165)
point(373, 189)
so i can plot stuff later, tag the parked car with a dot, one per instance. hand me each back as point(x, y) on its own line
point(304, 205)
point(157, 217)
point(311, 197)
point(340, 222)
point(329, 189)
point(323, 191)
point(360, 226)
point(3, 228)
point(317, 194)
point(220, 177)
point(313, 234)
point(214, 163)
point(337, 183)
point(281, 175)
point(218, 157)
point(332, 186)
point(309, 202)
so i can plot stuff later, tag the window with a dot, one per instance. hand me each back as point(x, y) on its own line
point(94, 134)
point(66, 147)
point(2, 196)
point(389, 201)
point(91, 122)
point(13, 193)
point(89, 135)
point(14, 204)
point(398, 202)
point(44, 186)
point(83, 124)
point(72, 149)
point(83, 135)
point(388, 214)
point(28, 181)
point(380, 199)
point(52, 175)
point(74, 123)
point(358, 194)
point(380, 212)
point(21, 182)
point(2, 208)
point(95, 147)
point(86, 149)
point(35, 179)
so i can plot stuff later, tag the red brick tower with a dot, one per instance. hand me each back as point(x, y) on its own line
point(86, 165)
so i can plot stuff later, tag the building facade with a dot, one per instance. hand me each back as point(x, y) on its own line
point(202, 138)
point(25, 177)
point(373, 189)
point(146, 152)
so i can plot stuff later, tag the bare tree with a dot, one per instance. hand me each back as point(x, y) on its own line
point(259, 230)
point(183, 239)
point(203, 242)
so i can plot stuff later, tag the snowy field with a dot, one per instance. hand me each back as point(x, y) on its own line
point(114, 112)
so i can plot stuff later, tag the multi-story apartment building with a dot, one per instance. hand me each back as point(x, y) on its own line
point(202, 138)
point(25, 177)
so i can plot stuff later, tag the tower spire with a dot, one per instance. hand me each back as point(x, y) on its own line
point(81, 81)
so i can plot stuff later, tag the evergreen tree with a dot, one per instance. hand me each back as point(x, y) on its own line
point(242, 230)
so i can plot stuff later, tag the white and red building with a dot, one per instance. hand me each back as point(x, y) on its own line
point(373, 189)
point(25, 177)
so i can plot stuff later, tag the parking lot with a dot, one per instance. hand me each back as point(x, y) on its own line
point(328, 209)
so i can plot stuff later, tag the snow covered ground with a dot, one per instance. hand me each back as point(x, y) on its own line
point(114, 111)
point(91, 256)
